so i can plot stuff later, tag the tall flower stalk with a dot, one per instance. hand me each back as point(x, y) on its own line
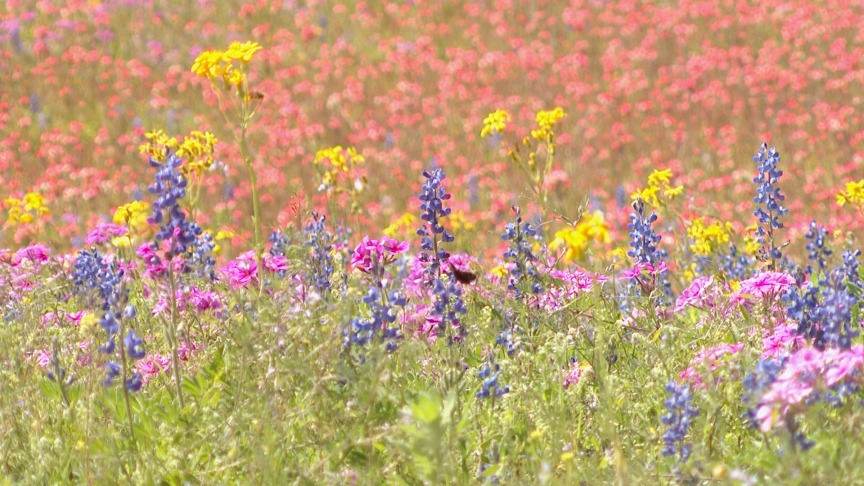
point(768, 195)
point(227, 72)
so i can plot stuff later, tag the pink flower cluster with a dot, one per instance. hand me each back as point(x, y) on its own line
point(807, 371)
point(381, 252)
point(710, 359)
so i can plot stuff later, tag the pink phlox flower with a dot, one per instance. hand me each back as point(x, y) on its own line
point(74, 318)
point(765, 284)
point(43, 357)
point(204, 300)
point(781, 341)
point(802, 374)
point(575, 372)
point(185, 350)
point(104, 232)
point(394, 246)
point(241, 271)
point(275, 263)
point(648, 269)
point(461, 262)
point(382, 251)
point(34, 253)
point(712, 359)
point(697, 295)
point(150, 366)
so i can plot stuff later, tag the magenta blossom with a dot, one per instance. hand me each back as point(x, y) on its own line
point(764, 285)
point(712, 359)
point(807, 370)
point(383, 252)
point(241, 271)
point(33, 253)
point(697, 295)
point(104, 232)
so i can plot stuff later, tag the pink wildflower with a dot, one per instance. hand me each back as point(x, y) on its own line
point(242, 271)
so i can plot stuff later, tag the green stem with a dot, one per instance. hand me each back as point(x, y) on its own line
point(125, 377)
point(253, 180)
point(171, 333)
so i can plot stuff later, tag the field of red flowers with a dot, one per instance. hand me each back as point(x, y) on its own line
point(425, 242)
point(688, 86)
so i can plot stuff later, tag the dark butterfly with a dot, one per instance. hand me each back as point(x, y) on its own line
point(463, 277)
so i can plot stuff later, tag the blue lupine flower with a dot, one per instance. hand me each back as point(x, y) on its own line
point(321, 261)
point(433, 234)
point(489, 373)
point(448, 294)
point(201, 260)
point(817, 252)
point(113, 371)
point(134, 382)
point(679, 416)
point(280, 243)
point(803, 306)
point(134, 345)
point(169, 187)
point(104, 283)
point(768, 195)
point(521, 256)
point(835, 313)
point(644, 244)
point(643, 241)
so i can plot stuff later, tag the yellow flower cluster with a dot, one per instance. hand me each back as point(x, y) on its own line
point(220, 64)
point(707, 237)
point(575, 240)
point(495, 123)
point(459, 222)
point(546, 119)
point(406, 221)
point(341, 159)
point(854, 194)
point(25, 210)
point(196, 149)
point(751, 243)
point(133, 215)
point(658, 183)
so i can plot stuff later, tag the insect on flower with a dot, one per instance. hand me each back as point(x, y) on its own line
point(462, 276)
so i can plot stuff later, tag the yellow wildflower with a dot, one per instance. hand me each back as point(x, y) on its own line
point(706, 238)
point(405, 221)
point(25, 210)
point(495, 122)
point(121, 241)
point(242, 51)
point(673, 192)
point(854, 194)
point(133, 214)
point(458, 221)
point(658, 177)
point(648, 195)
point(546, 119)
point(575, 240)
point(501, 271)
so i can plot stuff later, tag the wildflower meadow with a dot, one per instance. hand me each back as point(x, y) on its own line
point(423, 242)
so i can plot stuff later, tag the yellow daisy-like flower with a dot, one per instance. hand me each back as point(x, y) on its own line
point(658, 177)
point(405, 221)
point(546, 119)
point(209, 64)
point(242, 51)
point(495, 122)
point(854, 194)
point(673, 192)
point(575, 241)
point(648, 195)
point(133, 214)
